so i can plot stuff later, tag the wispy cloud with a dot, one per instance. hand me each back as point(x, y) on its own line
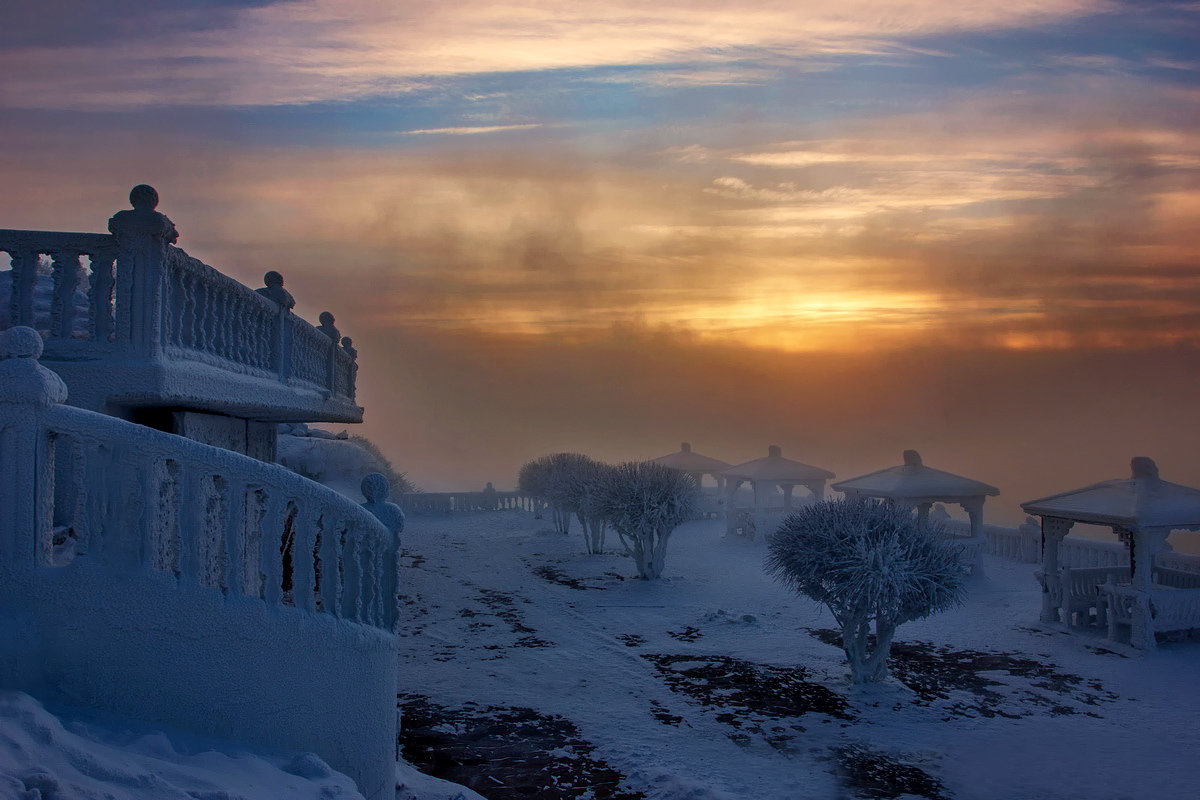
point(314, 50)
point(471, 130)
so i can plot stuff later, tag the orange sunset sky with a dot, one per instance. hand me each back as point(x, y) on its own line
point(848, 228)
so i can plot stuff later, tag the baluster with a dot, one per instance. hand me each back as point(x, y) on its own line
point(237, 496)
point(352, 595)
point(124, 518)
point(254, 533)
point(332, 568)
point(101, 325)
point(192, 508)
point(24, 275)
point(272, 558)
point(303, 570)
point(81, 518)
point(66, 280)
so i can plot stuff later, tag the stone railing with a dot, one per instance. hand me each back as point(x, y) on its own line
point(1024, 544)
point(458, 502)
point(167, 581)
point(137, 296)
point(82, 485)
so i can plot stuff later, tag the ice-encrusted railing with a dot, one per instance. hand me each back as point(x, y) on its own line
point(1024, 543)
point(84, 486)
point(132, 292)
point(456, 502)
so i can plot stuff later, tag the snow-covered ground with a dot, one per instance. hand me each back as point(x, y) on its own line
point(525, 660)
point(66, 754)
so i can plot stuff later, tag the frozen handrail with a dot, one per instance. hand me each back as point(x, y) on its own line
point(141, 296)
point(82, 485)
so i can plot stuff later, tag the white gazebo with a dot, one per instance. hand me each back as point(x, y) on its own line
point(766, 474)
point(914, 485)
point(1142, 510)
point(695, 464)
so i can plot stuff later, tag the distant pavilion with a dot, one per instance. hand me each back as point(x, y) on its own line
point(766, 474)
point(912, 485)
point(695, 464)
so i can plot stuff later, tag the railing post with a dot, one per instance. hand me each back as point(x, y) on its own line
point(142, 237)
point(27, 390)
point(24, 275)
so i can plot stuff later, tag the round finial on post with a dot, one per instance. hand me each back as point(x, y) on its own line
point(375, 487)
point(685, 447)
point(273, 290)
point(348, 346)
point(912, 458)
point(143, 196)
point(328, 328)
point(1143, 467)
point(775, 451)
point(22, 378)
point(21, 342)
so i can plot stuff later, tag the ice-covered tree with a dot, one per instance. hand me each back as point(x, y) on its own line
point(875, 568)
point(532, 480)
point(644, 502)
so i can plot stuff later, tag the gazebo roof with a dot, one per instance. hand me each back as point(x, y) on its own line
point(913, 479)
point(774, 467)
point(1142, 500)
point(687, 461)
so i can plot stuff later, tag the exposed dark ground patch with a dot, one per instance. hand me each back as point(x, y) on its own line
point(750, 698)
point(410, 559)
point(933, 672)
point(504, 606)
point(874, 775)
point(688, 634)
point(663, 714)
point(631, 639)
point(554, 575)
point(505, 753)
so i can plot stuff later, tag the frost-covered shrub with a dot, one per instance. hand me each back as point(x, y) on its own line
point(557, 480)
point(644, 502)
point(873, 566)
point(532, 480)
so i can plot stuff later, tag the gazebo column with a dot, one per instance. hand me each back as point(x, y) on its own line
point(760, 512)
point(731, 487)
point(1144, 545)
point(974, 508)
point(788, 488)
point(1054, 530)
point(818, 490)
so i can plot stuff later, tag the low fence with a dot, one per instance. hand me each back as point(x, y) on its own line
point(462, 502)
point(1024, 543)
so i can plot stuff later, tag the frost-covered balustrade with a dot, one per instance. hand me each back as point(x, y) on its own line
point(125, 496)
point(131, 294)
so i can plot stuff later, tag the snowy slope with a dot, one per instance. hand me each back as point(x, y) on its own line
point(68, 755)
point(716, 683)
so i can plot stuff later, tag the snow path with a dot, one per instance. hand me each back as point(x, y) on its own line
point(481, 626)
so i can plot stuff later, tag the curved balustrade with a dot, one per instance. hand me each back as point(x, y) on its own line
point(54, 306)
point(143, 297)
point(127, 496)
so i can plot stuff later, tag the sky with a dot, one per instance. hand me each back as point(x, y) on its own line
point(848, 228)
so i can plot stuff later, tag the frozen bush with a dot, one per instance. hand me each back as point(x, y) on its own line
point(873, 566)
point(644, 502)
